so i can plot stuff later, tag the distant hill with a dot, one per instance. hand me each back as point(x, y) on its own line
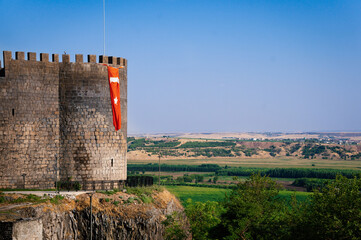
point(140, 148)
point(342, 136)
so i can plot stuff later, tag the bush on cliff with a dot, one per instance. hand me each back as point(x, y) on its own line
point(253, 210)
point(333, 213)
point(176, 227)
point(203, 217)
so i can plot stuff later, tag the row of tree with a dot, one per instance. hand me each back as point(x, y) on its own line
point(174, 168)
point(289, 172)
point(208, 144)
point(311, 184)
point(142, 143)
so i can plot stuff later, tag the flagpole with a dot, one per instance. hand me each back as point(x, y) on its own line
point(104, 27)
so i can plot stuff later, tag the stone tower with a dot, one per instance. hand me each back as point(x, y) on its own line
point(56, 122)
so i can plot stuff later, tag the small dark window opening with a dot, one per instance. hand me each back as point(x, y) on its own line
point(111, 163)
point(13, 112)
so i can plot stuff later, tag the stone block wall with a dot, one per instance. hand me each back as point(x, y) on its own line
point(29, 122)
point(6, 230)
point(91, 148)
point(56, 121)
point(24, 229)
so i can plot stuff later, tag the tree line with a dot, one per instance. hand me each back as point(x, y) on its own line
point(246, 171)
point(154, 167)
point(289, 172)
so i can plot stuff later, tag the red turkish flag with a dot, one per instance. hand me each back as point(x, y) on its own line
point(113, 77)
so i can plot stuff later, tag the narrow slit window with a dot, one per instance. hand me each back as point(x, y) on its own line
point(111, 163)
point(13, 112)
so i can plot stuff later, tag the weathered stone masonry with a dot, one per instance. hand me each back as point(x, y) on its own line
point(56, 122)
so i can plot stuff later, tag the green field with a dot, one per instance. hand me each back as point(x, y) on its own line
point(276, 162)
point(203, 194)
point(231, 178)
point(208, 175)
point(197, 194)
point(300, 196)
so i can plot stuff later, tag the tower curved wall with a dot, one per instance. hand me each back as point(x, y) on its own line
point(56, 121)
point(91, 148)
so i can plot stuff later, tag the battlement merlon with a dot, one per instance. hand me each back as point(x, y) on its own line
point(44, 57)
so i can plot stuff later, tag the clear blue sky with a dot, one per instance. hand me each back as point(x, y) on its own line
point(212, 66)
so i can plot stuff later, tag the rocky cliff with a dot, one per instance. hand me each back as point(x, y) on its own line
point(116, 215)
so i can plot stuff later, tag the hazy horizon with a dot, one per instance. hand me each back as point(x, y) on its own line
point(290, 132)
point(212, 66)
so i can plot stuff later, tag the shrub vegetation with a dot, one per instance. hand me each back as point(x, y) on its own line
point(255, 210)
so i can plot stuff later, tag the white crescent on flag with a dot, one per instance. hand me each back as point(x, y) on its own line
point(114, 79)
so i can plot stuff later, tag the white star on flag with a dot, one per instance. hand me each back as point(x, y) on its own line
point(115, 100)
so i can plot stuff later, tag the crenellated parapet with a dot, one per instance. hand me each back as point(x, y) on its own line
point(65, 58)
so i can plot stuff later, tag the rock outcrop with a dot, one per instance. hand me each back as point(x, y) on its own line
point(115, 216)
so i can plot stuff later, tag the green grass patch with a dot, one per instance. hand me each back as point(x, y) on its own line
point(145, 199)
point(300, 196)
point(197, 194)
point(203, 194)
point(108, 192)
point(130, 200)
point(31, 198)
point(231, 178)
point(57, 199)
point(148, 191)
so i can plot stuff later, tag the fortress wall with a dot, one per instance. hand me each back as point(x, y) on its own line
point(56, 119)
point(92, 149)
point(29, 121)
